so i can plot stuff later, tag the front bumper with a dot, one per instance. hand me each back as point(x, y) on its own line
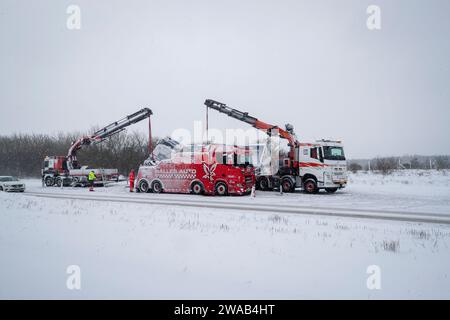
point(240, 191)
point(13, 189)
point(333, 182)
point(341, 183)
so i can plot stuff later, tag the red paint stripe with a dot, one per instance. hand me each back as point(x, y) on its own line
point(311, 164)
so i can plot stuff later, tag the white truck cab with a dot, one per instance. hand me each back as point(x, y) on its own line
point(322, 166)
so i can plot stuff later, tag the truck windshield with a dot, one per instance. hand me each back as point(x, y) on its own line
point(333, 153)
point(162, 152)
point(165, 149)
point(243, 160)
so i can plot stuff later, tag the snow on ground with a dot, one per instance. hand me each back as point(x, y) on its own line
point(128, 250)
point(410, 190)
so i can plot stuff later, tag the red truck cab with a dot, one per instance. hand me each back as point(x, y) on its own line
point(198, 169)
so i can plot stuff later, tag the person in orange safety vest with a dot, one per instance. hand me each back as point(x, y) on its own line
point(131, 177)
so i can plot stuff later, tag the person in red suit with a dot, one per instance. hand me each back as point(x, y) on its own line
point(131, 177)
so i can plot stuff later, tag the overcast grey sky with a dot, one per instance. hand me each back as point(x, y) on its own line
point(314, 64)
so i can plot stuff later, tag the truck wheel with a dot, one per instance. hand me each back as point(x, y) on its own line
point(263, 184)
point(75, 182)
point(157, 187)
point(58, 182)
point(287, 185)
point(331, 190)
point(49, 181)
point(143, 186)
point(221, 189)
point(197, 188)
point(310, 186)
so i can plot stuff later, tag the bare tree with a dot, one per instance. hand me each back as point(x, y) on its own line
point(22, 154)
point(385, 165)
point(442, 162)
point(354, 167)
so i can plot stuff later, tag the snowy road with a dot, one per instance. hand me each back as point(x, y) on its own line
point(421, 196)
point(252, 206)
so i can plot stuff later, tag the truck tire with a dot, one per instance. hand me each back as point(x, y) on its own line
point(310, 186)
point(263, 184)
point(197, 188)
point(143, 186)
point(331, 190)
point(49, 181)
point(221, 189)
point(287, 185)
point(58, 182)
point(75, 182)
point(157, 187)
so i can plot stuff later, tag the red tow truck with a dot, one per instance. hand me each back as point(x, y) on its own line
point(198, 169)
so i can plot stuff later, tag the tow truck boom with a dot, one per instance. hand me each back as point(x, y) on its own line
point(287, 134)
point(104, 133)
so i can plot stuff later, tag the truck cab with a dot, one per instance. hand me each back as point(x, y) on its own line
point(322, 166)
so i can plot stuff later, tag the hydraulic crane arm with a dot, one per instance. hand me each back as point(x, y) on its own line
point(120, 125)
point(287, 134)
point(106, 132)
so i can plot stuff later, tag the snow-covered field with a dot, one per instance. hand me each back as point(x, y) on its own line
point(135, 250)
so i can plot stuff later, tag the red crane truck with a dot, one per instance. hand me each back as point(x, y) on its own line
point(58, 170)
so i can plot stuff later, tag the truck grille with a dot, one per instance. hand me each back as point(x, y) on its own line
point(248, 180)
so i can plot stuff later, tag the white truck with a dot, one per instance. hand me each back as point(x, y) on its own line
point(307, 166)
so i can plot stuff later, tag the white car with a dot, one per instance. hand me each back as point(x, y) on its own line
point(9, 183)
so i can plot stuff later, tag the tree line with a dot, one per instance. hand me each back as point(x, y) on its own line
point(23, 154)
point(386, 165)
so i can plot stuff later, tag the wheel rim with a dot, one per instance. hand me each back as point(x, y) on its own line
point(263, 184)
point(144, 186)
point(157, 187)
point(287, 186)
point(197, 189)
point(48, 181)
point(221, 189)
point(309, 187)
